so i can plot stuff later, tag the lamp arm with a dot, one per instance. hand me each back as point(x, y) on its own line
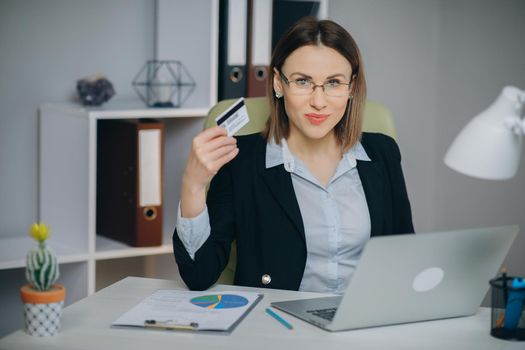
point(517, 123)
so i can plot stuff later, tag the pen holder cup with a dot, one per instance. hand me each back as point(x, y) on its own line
point(508, 315)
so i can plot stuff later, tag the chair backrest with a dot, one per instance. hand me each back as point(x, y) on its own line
point(377, 118)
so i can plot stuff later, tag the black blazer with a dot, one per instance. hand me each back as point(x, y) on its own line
point(257, 207)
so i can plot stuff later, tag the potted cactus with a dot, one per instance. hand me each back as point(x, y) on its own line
point(43, 298)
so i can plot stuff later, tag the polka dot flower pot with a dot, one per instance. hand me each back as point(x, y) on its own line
point(43, 309)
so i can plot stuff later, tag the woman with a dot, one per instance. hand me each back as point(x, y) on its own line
point(302, 198)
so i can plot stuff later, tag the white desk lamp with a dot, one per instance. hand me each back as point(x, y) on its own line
point(489, 146)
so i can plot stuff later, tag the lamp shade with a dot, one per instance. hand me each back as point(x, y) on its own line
point(489, 146)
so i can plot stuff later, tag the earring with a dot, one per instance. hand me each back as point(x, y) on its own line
point(351, 97)
point(278, 95)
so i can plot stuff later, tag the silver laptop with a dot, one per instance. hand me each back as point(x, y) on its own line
point(413, 277)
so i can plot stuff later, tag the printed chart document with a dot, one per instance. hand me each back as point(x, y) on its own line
point(187, 310)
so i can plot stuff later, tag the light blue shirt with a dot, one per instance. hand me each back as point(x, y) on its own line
point(336, 219)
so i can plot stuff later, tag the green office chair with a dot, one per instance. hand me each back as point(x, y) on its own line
point(377, 118)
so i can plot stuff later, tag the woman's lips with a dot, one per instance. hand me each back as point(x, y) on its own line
point(315, 118)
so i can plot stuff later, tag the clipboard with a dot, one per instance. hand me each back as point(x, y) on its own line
point(182, 310)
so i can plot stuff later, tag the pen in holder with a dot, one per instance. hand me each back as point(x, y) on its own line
point(508, 300)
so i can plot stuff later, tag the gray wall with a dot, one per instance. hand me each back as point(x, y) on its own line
point(436, 64)
point(45, 46)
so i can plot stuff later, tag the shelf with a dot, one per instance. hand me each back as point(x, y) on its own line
point(126, 109)
point(67, 181)
point(111, 249)
point(13, 251)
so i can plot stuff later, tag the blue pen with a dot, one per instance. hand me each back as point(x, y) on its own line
point(278, 318)
point(514, 304)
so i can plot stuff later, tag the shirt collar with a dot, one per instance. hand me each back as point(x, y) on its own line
point(281, 154)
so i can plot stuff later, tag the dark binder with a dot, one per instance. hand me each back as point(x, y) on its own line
point(129, 181)
point(287, 12)
point(232, 48)
point(259, 46)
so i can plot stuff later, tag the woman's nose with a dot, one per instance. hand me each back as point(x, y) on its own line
point(318, 98)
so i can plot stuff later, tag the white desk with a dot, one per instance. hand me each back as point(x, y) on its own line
point(86, 325)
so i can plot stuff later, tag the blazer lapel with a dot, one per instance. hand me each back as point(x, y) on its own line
point(371, 178)
point(279, 183)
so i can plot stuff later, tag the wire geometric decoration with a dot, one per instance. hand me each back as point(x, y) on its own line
point(163, 83)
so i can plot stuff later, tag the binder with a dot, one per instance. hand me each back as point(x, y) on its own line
point(287, 12)
point(232, 48)
point(129, 181)
point(259, 46)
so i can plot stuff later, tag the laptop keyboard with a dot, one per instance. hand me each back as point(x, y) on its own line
point(327, 314)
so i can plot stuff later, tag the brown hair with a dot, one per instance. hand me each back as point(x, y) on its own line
point(310, 31)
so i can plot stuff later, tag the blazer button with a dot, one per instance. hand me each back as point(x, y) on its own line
point(266, 279)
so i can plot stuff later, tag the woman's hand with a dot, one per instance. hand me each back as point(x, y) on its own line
point(211, 149)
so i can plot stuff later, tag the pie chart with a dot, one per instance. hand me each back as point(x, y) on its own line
point(219, 301)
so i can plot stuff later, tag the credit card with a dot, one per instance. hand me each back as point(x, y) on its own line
point(234, 118)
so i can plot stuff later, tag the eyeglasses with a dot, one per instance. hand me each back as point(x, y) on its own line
point(304, 86)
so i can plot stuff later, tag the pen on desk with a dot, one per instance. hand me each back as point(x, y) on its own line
point(170, 326)
point(278, 318)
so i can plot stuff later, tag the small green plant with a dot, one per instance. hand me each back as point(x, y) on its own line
point(41, 263)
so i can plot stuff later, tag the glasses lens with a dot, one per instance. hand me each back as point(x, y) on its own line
point(338, 90)
point(301, 87)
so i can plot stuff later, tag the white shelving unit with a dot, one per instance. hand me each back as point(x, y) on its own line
point(67, 181)
point(67, 195)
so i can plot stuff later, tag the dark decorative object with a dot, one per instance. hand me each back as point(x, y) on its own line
point(165, 83)
point(94, 90)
